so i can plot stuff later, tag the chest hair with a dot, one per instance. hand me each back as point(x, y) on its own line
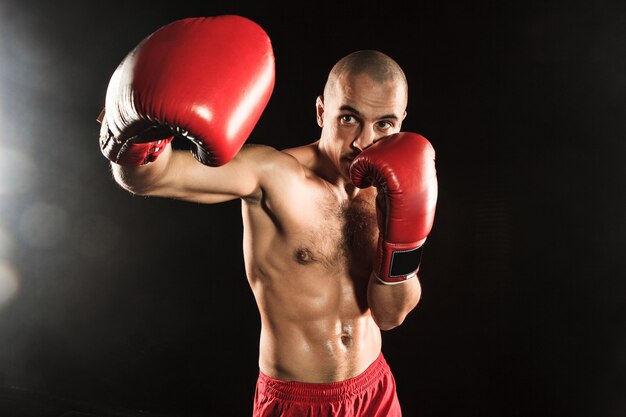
point(344, 238)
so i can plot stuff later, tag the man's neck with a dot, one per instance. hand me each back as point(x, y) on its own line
point(326, 170)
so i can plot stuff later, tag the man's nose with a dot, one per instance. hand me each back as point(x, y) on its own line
point(365, 139)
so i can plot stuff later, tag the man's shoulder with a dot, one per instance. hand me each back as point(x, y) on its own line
point(306, 155)
point(274, 162)
point(282, 172)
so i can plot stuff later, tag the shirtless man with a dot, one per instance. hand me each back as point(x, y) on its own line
point(330, 227)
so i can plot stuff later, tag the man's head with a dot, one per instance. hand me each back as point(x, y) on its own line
point(365, 99)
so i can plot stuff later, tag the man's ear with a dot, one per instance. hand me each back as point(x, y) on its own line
point(402, 119)
point(319, 110)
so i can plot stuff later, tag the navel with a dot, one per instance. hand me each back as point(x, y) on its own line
point(346, 340)
point(346, 335)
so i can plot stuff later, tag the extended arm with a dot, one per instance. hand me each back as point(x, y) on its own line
point(176, 174)
point(185, 81)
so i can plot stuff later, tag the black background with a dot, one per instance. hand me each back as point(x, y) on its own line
point(134, 306)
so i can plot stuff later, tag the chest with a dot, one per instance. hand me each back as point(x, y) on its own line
point(334, 234)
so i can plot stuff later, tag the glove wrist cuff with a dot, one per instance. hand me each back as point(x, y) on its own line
point(129, 153)
point(397, 262)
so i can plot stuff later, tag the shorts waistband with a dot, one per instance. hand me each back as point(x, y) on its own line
point(324, 392)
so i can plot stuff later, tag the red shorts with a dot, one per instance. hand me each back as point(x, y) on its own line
point(371, 394)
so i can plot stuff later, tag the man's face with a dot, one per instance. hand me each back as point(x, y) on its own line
point(356, 112)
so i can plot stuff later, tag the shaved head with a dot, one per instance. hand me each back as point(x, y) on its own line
point(365, 99)
point(376, 65)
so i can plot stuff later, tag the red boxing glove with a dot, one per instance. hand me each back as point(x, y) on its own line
point(207, 79)
point(402, 167)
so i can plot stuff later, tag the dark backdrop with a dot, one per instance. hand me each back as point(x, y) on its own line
point(112, 304)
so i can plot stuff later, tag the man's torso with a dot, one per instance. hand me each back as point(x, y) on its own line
point(308, 253)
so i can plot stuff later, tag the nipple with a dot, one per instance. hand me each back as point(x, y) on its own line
point(304, 256)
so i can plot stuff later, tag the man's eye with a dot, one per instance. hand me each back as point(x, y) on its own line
point(385, 125)
point(347, 118)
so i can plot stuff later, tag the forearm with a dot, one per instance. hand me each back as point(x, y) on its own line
point(390, 304)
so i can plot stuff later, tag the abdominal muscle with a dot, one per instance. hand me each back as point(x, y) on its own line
point(316, 325)
point(319, 336)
